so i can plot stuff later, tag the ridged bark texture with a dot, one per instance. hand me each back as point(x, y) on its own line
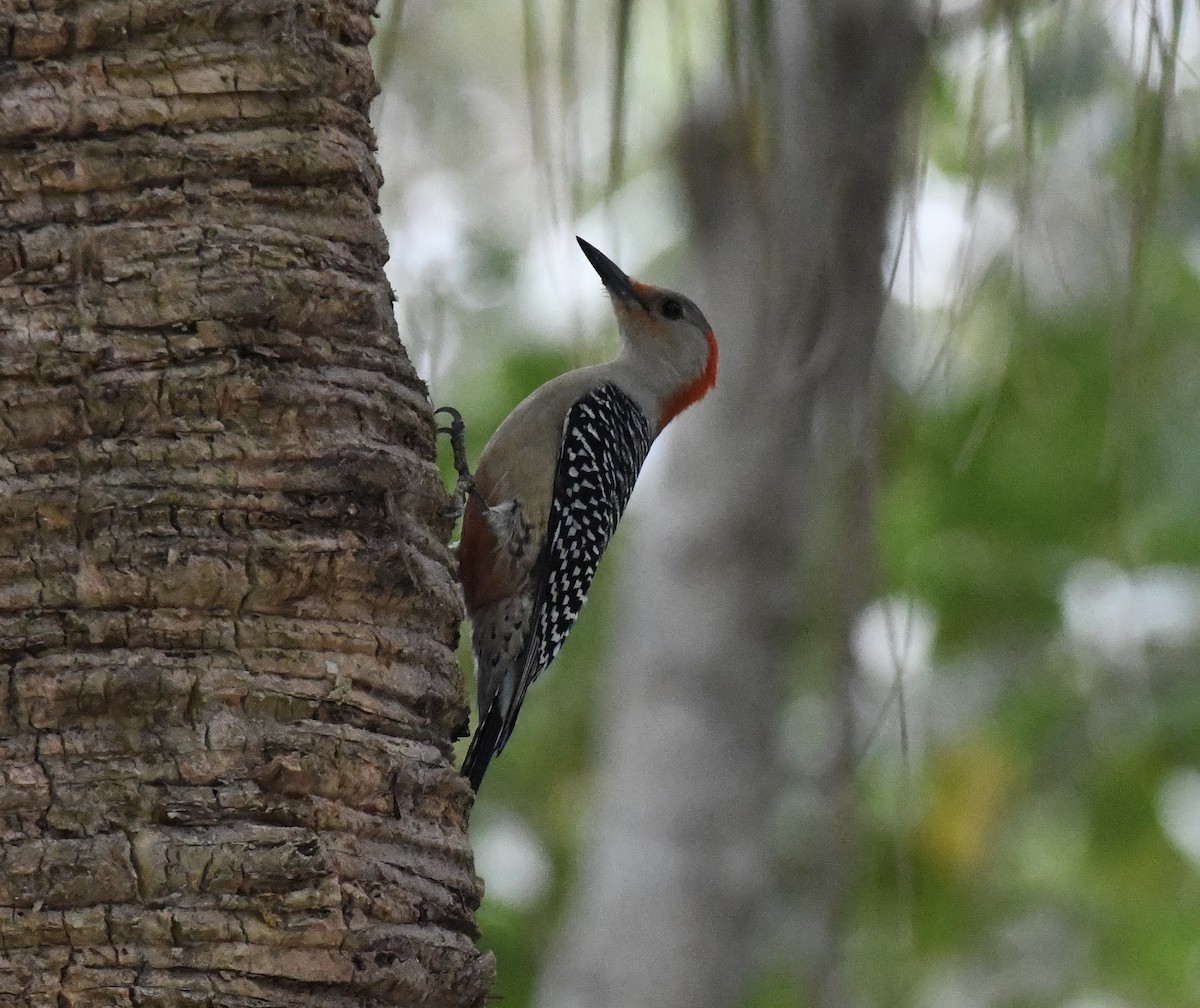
point(227, 615)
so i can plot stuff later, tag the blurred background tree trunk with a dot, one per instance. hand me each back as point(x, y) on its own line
point(764, 519)
point(227, 614)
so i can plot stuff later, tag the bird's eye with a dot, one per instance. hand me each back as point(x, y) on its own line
point(672, 309)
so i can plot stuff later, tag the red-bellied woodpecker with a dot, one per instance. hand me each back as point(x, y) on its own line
point(551, 485)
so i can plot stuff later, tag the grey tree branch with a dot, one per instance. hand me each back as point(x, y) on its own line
point(773, 477)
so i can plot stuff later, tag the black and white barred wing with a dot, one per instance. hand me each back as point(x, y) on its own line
point(605, 441)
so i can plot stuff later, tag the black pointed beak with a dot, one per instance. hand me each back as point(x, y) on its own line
point(614, 278)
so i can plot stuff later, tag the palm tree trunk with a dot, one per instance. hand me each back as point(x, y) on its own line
point(227, 614)
point(677, 890)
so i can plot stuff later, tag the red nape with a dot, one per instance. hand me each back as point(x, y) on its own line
point(694, 390)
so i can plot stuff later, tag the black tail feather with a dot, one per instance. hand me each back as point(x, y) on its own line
point(485, 743)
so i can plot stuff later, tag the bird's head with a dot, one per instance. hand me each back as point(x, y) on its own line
point(662, 327)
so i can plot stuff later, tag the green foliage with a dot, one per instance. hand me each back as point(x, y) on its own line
point(1043, 807)
point(486, 398)
point(1017, 850)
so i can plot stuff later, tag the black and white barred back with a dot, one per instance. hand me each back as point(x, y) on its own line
point(605, 441)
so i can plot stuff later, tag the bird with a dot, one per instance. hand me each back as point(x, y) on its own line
point(551, 485)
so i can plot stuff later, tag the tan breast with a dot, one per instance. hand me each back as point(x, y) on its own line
point(518, 463)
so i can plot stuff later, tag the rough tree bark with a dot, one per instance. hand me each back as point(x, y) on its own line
point(676, 881)
point(227, 615)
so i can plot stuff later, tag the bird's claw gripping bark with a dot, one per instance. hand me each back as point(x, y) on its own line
point(457, 431)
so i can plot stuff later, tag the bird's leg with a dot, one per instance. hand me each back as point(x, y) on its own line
point(457, 430)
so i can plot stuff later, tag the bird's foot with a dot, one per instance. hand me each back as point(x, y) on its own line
point(457, 431)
